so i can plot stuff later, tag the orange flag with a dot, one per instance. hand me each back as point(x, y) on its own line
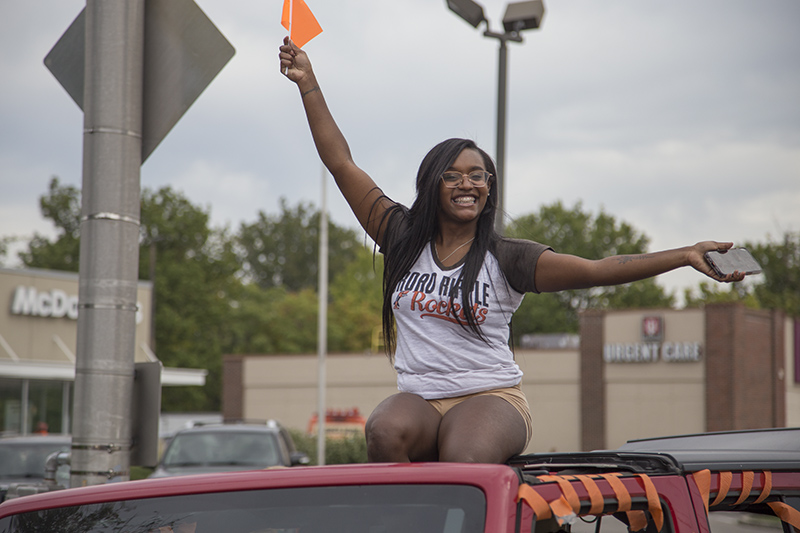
point(300, 22)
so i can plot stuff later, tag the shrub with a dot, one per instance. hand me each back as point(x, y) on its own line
point(337, 451)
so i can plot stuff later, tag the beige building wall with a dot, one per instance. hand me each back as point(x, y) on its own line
point(638, 399)
point(551, 384)
point(43, 327)
point(38, 345)
point(653, 399)
point(284, 387)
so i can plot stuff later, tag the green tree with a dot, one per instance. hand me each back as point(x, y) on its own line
point(283, 250)
point(276, 320)
point(195, 270)
point(780, 261)
point(712, 292)
point(62, 205)
point(273, 320)
point(574, 231)
point(777, 288)
point(5, 241)
point(354, 315)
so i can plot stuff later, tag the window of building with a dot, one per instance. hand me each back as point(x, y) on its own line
point(34, 406)
point(10, 406)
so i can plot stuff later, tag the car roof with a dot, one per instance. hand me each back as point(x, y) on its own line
point(36, 439)
point(764, 449)
point(269, 426)
point(491, 478)
point(773, 449)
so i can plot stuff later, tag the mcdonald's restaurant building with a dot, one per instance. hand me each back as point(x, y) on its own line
point(629, 374)
point(38, 339)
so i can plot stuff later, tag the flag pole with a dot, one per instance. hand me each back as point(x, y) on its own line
point(291, 16)
point(322, 323)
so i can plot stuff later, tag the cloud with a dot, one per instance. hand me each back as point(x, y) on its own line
point(681, 118)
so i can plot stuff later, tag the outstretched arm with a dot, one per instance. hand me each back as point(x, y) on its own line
point(356, 186)
point(558, 272)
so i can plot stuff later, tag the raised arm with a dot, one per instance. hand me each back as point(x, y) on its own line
point(558, 272)
point(356, 186)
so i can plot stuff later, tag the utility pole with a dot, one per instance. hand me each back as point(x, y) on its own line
point(500, 144)
point(109, 256)
point(519, 16)
point(134, 67)
point(322, 323)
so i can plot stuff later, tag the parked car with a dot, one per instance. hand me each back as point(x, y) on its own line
point(209, 448)
point(665, 485)
point(22, 459)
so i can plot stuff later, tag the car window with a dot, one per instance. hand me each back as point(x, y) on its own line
point(258, 449)
point(730, 522)
point(604, 524)
point(352, 509)
point(719, 522)
point(287, 440)
point(26, 460)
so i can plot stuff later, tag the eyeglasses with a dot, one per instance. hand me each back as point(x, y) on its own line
point(478, 178)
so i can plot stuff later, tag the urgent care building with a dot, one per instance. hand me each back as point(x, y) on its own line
point(629, 374)
point(660, 372)
point(38, 339)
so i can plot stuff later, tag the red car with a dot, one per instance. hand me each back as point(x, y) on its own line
point(668, 485)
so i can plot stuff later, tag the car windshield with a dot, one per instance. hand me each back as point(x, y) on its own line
point(351, 509)
point(26, 459)
point(224, 448)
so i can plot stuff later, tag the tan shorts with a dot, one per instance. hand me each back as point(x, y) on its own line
point(512, 395)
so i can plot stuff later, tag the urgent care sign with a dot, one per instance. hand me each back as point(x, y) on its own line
point(652, 347)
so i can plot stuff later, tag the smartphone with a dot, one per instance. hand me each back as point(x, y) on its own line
point(740, 259)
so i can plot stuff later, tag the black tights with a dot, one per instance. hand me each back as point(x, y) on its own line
point(481, 429)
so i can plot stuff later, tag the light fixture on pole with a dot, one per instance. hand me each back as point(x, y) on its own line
point(519, 16)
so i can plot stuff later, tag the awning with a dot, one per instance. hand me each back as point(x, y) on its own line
point(46, 370)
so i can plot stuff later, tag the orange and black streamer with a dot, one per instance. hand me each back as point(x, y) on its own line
point(702, 479)
point(568, 504)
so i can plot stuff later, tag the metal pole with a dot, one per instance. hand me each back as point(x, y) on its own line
point(24, 427)
point(109, 255)
point(501, 135)
point(322, 322)
point(66, 398)
point(152, 276)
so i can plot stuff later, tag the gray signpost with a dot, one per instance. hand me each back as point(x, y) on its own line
point(134, 67)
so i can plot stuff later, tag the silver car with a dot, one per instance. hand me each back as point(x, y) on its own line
point(228, 447)
point(22, 459)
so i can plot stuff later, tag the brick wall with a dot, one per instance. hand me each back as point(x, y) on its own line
point(744, 368)
point(592, 381)
point(745, 372)
point(232, 387)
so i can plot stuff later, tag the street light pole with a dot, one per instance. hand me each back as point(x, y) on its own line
point(519, 16)
point(500, 144)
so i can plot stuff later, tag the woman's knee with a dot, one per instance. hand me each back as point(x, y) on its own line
point(401, 428)
point(381, 429)
point(482, 430)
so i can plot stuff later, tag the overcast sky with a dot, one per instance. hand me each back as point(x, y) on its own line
point(681, 118)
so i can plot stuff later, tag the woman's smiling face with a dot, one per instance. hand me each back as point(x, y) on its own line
point(465, 202)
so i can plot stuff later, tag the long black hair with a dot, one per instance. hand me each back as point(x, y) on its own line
point(408, 232)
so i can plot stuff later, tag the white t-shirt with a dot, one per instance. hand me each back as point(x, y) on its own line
point(437, 357)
